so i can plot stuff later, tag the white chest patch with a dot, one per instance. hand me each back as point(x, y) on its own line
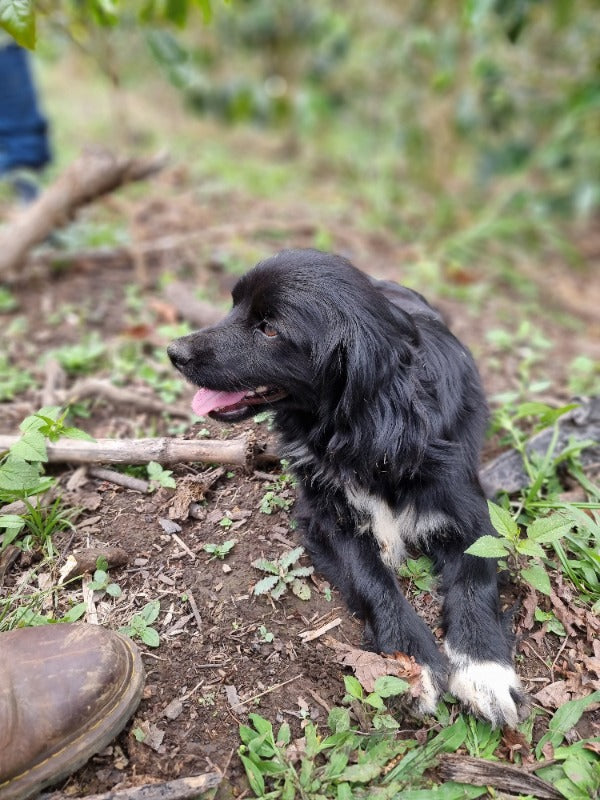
point(392, 529)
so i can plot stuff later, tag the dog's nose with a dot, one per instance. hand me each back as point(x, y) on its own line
point(180, 353)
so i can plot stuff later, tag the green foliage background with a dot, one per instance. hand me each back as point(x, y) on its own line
point(476, 123)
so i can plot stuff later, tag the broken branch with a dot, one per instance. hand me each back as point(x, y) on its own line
point(479, 772)
point(180, 789)
point(91, 175)
point(239, 452)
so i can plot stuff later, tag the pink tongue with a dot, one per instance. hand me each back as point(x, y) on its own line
point(206, 400)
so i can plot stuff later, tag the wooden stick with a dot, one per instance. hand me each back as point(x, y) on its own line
point(197, 312)
point(93, 174)
point(94, 387)
point(237, 452)
point(120, 479)
point(506, 778)
point(180, 789)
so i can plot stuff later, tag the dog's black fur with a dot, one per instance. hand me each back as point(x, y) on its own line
point(381, 413)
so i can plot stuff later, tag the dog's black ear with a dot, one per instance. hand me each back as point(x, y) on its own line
point(373, 352)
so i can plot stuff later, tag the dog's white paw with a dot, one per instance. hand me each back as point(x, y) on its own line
point(428, 699)
point(487, 689)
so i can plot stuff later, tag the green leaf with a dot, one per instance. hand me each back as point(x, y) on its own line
point(18, 18)
point(353, 687)
point(150, 611)
point(255, 778)
point(100, 577)
point(338, 719)
point(488, 547)
point(11, 521)
point(530, 548)
point(361, 773)
point(77, 433)
point(114, 590)
point(17, 475)
point(503, 521)
point(150, 637)
point(537, 577)
point(567, 716)
point(301, 572)
point(301, 589)
point(549, 529)
point(74, 613)
point(289, 558)
point(266, 566)
point(390, 686)
point(284, 735)
point(9, 536)
point(262, 725)
point(375, 701)
point(279, 590)
point(31, 447)
point(266, 584)
point(206, 7)
point(161, 476)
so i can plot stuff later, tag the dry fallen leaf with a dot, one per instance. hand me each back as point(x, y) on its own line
point(234, 701)
point(173, 709)
point(516, 742)
point(529, 604)
point(369, 666)
point(153, 735)
point(554, 695)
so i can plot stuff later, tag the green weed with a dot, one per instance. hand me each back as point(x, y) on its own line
point(13, 380)
point(140, 625)
point(220, 551)
point(159, 476)
point(542, 519)
point(419, 571)
point(101, 581)
point(81, 358)
point(8, 302)
point(283, 575)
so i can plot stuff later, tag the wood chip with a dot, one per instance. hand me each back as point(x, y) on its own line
point(234, 701)
point(173, 710)
point(308, 636)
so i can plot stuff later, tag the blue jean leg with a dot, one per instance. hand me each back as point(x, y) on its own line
point(23, 127)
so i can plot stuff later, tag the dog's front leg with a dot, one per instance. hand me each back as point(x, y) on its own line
point(353, 563)
point(478, 643)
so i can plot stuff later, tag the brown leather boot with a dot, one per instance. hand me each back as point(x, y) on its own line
point(65, 692)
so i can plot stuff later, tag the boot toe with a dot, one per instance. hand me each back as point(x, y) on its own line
point(65, 692)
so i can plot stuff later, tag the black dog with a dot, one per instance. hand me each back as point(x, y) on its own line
point(381, 414)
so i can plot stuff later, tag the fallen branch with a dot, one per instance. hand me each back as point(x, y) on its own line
point(198, 312)
point(125, 255)
point(94, 387)
point(479, 772)
point(180, 789)
point(120, 479)
point(91, 175)
point(239, 452)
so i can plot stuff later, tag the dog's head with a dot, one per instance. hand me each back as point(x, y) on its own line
point(307, 331)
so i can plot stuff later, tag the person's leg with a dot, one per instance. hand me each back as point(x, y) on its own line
point(23, 127)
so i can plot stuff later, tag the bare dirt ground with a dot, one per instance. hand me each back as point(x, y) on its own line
point(213, 631)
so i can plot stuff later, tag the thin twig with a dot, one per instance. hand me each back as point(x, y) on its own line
point(270, 689)
point(195, 611)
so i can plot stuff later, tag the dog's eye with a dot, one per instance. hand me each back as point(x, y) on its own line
point(268, 329)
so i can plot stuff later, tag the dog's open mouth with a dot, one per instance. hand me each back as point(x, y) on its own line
point(233, 405)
